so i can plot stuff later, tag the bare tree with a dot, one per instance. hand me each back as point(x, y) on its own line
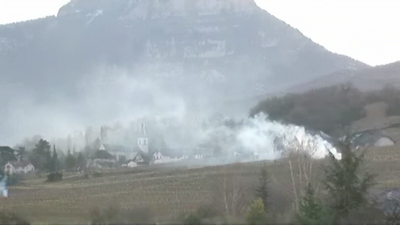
point(232, 192)
point(300, 155)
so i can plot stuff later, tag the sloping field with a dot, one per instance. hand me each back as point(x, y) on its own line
point(168, 193)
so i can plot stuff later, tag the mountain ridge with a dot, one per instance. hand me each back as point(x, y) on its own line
point(368, 79)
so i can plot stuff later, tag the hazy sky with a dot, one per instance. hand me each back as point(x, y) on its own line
point(363, 29)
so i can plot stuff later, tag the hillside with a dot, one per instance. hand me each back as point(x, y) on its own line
point(368, 79)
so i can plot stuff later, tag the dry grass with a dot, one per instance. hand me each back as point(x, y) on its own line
point(168, 192)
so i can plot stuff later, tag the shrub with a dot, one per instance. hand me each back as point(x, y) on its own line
point(192, 220)
point(206, 212)
point(256, 213)
point(311, 211)
point(54, 177)
point(12, 218)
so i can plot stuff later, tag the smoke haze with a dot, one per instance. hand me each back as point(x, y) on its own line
point(116, 98)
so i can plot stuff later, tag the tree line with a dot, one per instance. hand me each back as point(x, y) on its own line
point(329, 109)
point(44, 158)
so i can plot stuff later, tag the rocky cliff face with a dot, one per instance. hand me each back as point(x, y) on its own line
point(208, 50)
point(157, 9)
point(227, 41)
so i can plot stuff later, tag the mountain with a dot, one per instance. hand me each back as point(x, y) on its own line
point(102, 59)
point(368, 79)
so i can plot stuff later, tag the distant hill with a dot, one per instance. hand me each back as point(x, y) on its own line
point(368, 79)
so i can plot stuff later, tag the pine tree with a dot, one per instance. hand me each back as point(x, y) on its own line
point(81, 161)
point(311, 210)
point(55, 163)
point(70, 162)
point(41, 156)
point(21, 153)
point(262, 190)
point(347, 191)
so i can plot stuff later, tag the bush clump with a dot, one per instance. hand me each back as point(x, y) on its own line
point(192, 220)
point(54, 177)
point(256, 213)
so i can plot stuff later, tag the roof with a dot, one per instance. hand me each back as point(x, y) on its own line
point(20, 164)
point(102, 154)
point(369, 138)
point(6, 148)
point(138, 157)
point(116, 148)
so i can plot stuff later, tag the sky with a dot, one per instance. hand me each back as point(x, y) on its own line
point(362, 29)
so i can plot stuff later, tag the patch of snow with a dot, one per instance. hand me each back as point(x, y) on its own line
point(161, 50)
point(92, 16)
point(213, 76)
point(218, 51)
point(207, 29)
point(269, 43)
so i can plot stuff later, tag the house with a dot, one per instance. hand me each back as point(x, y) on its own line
point(377, 128)
point(119, 151)
point(18, 167)
point(138, 159)
point(101, 158)
point(157, 155)
point(159, 158)
point(372, 139)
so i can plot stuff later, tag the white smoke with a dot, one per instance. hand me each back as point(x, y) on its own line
point(269, 140)
point(123, 99)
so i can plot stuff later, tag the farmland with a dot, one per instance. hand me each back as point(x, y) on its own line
point(168, 192)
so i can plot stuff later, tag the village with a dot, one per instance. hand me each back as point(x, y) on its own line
point(102, 156)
